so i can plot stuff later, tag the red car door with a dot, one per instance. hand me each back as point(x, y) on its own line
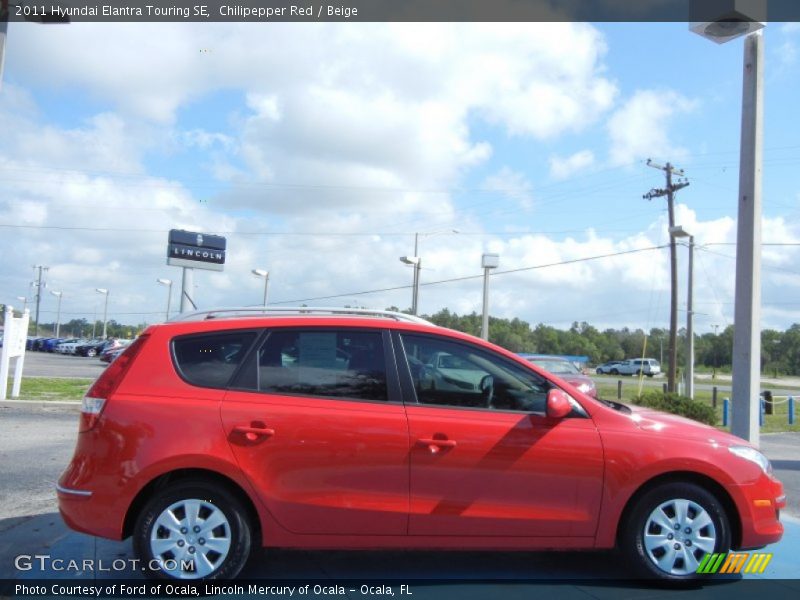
point(322, 434)
point(488, 462)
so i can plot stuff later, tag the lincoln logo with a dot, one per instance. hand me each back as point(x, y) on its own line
point(199, 239)
point(197, 253)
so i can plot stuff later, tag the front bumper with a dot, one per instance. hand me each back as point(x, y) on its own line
point(760, 506)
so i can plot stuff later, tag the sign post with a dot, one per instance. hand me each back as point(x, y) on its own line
point(14, 337)
point(192, 250)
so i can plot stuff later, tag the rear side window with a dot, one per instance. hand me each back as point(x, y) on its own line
point(210, 360)
point(328, 363)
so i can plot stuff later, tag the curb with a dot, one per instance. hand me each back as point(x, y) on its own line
point(40, 403)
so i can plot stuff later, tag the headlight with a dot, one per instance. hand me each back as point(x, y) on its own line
point(754, 456)
point(585, 388)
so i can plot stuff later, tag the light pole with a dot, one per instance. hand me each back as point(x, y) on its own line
point(416, 261)
point(747, 301)
point(168, 283)
point(716, 355)
point(39, 284)
point(58, 312)
point(679, 232)
point(265, 275)
point(488, 262)
point(105, 309)
point(24, 300)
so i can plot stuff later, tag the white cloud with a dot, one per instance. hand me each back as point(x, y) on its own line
point(338, 130)
point(562, 168)
point(639, 128)
point(512, 184)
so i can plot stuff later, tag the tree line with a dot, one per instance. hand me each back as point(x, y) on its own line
point(780, 350)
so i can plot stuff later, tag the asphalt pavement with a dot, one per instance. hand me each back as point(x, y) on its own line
point(51, 364)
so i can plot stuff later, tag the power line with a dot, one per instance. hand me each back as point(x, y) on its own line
point(468, 277)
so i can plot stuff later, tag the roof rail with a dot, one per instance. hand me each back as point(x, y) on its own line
point(260, 311)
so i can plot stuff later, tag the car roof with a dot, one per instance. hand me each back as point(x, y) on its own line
point(543, 356)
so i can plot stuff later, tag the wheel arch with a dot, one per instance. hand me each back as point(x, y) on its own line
point(703, 481)
point(166, 479)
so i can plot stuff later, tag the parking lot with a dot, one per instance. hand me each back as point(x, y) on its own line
point(51, 364)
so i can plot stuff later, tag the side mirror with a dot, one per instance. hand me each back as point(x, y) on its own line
point(558, 405)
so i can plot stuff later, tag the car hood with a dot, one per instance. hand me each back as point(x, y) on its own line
point(577, 381)
point(656, 421)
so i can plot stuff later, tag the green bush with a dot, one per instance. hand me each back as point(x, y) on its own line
point(678, 405)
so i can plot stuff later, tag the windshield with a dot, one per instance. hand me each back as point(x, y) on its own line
point(556, 366)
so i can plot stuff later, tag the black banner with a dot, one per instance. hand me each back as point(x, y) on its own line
point(65, 11)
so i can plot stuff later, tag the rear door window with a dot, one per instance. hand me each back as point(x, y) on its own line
point(329, 363)
point(210, 360)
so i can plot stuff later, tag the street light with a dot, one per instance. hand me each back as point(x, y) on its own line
point(265, 275)
point(679, 232)
point(416, 260)
point(105, 309)
point(168, 283)
point(58, 313)
point(488, 262)
point(740, 19)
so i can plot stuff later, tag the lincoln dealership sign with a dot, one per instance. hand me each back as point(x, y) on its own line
point(195, 250)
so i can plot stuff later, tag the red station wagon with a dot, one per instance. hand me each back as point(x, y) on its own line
point(316, 428)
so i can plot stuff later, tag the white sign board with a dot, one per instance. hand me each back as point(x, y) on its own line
point(14, 338)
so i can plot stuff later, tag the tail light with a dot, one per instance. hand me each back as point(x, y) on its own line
point(96, 398)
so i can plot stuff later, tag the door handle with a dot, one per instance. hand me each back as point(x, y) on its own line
point(435, 446)
point(253, 433)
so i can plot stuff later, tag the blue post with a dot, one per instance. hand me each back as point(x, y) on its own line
point(726, 409)
point(791, 410)
point(761, 411)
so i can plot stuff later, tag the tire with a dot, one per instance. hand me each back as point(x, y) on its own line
point(614, 372)
point(598, 371)
point(186, 556)
point(91, 352)
point(664, 554)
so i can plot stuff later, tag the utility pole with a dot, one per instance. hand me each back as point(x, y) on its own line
point(669, 192)
point(39, 284)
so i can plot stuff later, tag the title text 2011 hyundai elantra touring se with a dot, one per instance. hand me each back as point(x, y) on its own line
point(222, 431)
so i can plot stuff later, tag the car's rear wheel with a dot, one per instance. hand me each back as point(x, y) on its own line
point(193, 530)
point(91, 352)
point(671, 528)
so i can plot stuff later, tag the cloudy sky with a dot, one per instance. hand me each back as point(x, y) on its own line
point(319, 150)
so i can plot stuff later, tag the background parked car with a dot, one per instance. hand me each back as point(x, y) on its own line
point(51, 343)
point(558, 365)
point(606, 367)
point(69, 346)
point(443, 371)
point(635, 366)
point(92, 348)
point(113, 350)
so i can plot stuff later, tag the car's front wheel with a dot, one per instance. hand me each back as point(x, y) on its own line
point(671, 528)
point(193, 530)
